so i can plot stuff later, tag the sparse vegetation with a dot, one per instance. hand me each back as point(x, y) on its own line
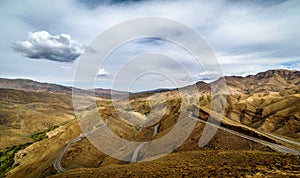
point(270, 106)
point(7, 157)
point(23, 113)
point(128, 109)
point(42, 134)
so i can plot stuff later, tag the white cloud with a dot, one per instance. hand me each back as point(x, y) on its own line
point(42, 45)
point(66, 67)
point(208, 75)
point(102, 72)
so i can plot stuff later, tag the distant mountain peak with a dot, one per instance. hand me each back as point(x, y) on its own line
point(268, 81)
point(278, 72)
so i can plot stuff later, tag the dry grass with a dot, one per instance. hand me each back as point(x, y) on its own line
point(24, 113)
point(272, 105)
point(201, 164)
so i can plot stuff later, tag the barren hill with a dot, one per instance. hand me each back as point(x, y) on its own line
point(264, 107)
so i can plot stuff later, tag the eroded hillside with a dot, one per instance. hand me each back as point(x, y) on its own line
point(261, 120)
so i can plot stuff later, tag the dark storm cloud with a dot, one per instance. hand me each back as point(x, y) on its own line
point(42, 45)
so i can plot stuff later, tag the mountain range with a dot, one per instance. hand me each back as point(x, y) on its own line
point(271, 80)
point(37, 122)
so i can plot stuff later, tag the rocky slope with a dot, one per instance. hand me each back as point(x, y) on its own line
point(257, 105)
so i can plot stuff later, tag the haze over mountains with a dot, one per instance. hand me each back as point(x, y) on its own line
point(271, 80)
point(265, 106)
point(34, 86)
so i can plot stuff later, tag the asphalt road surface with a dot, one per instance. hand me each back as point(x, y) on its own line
point(274, 146)
point(134, 157)
point(57, 164)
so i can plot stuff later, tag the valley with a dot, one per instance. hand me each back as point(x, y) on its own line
point(259, 133)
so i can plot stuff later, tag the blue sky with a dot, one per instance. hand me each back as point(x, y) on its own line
point(42, 40)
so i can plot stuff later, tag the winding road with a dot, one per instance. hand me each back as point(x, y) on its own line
point(137, 150)
point(283, 139)
point(134, 157)
point(155, 130)
point(274, 146)
point(57, 165)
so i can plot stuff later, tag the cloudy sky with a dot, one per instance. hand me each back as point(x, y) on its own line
point(43, 40)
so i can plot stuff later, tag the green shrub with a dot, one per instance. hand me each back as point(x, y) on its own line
point(7, 157)
point(42, 135)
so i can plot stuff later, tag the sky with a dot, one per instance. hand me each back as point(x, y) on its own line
point(44, 40)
